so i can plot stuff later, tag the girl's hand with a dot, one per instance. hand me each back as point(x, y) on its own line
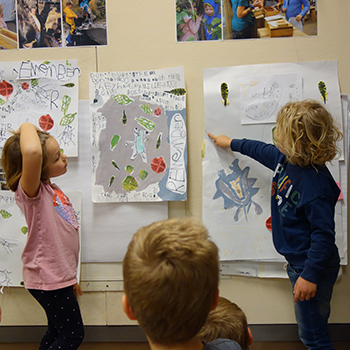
point(222, 141)
point(304, 290)
point(77, 290)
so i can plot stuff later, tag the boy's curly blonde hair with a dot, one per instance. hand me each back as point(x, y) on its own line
point(171, 275)
point(306, 133)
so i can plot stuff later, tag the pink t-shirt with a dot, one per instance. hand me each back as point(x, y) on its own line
point(50, 256)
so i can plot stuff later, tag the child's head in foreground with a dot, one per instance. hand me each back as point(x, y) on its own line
point(11, 159)
point(227, 321)
point(306, 133)
point(171, 274)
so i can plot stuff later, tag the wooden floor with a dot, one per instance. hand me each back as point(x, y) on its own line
point(143, 346)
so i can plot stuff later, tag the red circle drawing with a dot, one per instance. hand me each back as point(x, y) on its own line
point(6, 89)
point(158, 165)
point(46, 122)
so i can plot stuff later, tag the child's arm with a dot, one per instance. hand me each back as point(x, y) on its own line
point(222, 141)
point(31, 158)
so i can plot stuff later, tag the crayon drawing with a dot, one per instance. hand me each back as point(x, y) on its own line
point(237, 189)
point(43, 93)
point(263, 96)
point(138, 136)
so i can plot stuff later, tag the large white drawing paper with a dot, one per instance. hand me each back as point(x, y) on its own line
point(44, 93)
point(263, 96)
point(13, 237)
point(138, 136)
point(236, 189)
point(107, 228)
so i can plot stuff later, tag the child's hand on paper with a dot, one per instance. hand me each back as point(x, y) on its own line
point(222, 141)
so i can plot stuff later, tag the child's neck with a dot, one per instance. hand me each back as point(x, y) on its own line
point(193, 344)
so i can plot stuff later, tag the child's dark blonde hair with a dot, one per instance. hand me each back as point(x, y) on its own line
point(227, 321)
point(11, 159)
point(171, 275)
point(306, 133)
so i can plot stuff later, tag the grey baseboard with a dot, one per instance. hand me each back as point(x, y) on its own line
point(134, 334)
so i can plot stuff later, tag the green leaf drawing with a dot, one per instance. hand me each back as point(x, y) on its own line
point(65, 103)
point(5, 214)
point(130, 183)
point(147, 123)
point(146, 108)
point(129, 169)
point(114, 141)
point(143, 174)
point(122, 99)
point(68, 118)
point(24, 229)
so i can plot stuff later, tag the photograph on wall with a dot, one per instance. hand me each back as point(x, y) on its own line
point(44, 93)
point(39, 24)
point(138, 136)
point(8, 25)
point(85, 22)
point(198, 20)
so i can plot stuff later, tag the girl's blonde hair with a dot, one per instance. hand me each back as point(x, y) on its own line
point(11, 159)
point(306, 133)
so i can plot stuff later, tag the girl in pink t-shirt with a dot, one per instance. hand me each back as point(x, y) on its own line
point(30, 158)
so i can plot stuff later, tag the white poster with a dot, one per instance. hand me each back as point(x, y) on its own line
point(44, 93)
point(236, 189)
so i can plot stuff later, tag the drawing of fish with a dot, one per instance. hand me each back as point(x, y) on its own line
point(111, 180)
point(224, 94)
point(177, 92)
point(159, 140)
point(323, 90)
point(115, 164)
point(69, 85)
point(124, 118)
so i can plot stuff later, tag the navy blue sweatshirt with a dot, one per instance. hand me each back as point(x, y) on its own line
point(302, 209)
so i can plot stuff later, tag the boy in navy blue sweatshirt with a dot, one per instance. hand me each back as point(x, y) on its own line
point(303, 198)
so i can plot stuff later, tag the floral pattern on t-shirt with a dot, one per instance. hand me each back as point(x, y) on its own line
point(64, 208)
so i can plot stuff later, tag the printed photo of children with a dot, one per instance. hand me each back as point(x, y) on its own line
point(85, 22)
point(8, 25)
point(198, 20)
point(39, 23)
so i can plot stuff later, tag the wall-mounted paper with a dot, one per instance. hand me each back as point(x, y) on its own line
point(236, 189)
point(43, 93)
point(138, 136)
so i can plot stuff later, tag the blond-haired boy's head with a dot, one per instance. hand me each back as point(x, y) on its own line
point(227, 321)
point(306, 133)
point(171, 275)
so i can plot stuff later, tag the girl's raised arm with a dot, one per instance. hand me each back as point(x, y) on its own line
point(31, 158)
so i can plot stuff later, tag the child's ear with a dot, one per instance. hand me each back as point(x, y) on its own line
point(215, 301)
point(127, 308)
